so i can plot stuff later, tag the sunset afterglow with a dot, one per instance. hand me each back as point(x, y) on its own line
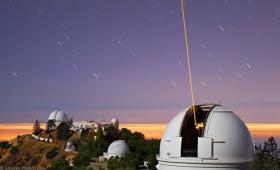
point(258, 130)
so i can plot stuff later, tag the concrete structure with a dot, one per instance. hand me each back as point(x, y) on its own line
point(69, 147)
point(117, 149)
point(79, 126)
point(41, 139)
point(222, 142)
point(58, 117)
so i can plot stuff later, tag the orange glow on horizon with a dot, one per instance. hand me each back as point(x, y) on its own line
point(258, 130)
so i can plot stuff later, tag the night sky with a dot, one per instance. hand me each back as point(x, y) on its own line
point(99, 59)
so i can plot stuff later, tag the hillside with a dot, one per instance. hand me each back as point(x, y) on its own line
point(26, 151)
point(31, 152)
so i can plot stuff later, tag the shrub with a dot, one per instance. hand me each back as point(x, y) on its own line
point(84, 134)
point(28, 157)
point(5, 145)
point(51, 154)
point(60, 164)
point(63, 131)
point(36, 127)
point(85, 153)
point(14, 150)
point(268, 156)
point(35, 160)
point(19, 143)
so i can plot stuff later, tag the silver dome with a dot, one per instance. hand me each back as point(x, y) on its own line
point(58, 116)
point(223, 142)
point(117, 149)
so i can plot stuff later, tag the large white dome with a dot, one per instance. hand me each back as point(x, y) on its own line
point(224, 141)
point(117, 148)
point(58, 116)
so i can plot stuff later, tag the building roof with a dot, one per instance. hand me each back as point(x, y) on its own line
point(228, 136)
point(118, 148)
point(70, 147)
point(58, 116)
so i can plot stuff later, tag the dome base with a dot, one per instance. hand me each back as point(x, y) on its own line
point(202, 166)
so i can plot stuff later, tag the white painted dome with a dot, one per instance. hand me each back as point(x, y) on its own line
point(70, 147)
point(114, 121)
point(117, 148)
point(58, 116)
point(224, 142)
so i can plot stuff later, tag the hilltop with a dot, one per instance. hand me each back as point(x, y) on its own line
point(27, 151)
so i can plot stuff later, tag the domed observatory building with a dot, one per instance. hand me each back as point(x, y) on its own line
point(115, 123)
point(221, 141)
point(58, 117)
point(70, 147)
point(117, 148)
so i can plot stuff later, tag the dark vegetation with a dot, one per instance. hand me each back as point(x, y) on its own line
point(50, 126)
point(51, 154)
point(141, 150)
point(60, 164)
point(91, 145)
point(36, 127)
point(5, 145)
point(63, 131)
point(14, 150)
point(267, 156)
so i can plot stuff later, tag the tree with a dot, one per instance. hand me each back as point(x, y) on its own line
point(268, 156)
point(138, 136)
point(152, 148)
point(83, 157)
point(126, 134)
point(141, 150)
point(124, 163)
point(111, 134)
point(50, 125)
point(5, 145)
point(35, 160)
point(60, 164)
point(84, 134)
point(70, 122)
point(51, 154)
point(36, 127)
point(85, 153)
point(63, 131)
point(14, 150)
point(100, 144)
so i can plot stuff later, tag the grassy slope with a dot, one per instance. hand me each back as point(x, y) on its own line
point(31, 150)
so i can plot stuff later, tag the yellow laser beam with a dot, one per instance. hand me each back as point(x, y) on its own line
point(188, 60)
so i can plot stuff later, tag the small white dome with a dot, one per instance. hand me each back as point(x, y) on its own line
point(223, 140)
point(58, 116)
point(114, 121)
point(117, 148)
point(70, 147)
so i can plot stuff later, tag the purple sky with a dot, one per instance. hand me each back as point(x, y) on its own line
point(100, 59)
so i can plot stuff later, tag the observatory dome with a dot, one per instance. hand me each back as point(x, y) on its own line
point(117, 148)
point(221, 142)
point(115, 123)
point(69, 147)
point(58, 116)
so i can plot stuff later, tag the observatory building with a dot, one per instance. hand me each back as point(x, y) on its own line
point(222, 141)
point(58, 117)
point(70, 147)
point(117, 148)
